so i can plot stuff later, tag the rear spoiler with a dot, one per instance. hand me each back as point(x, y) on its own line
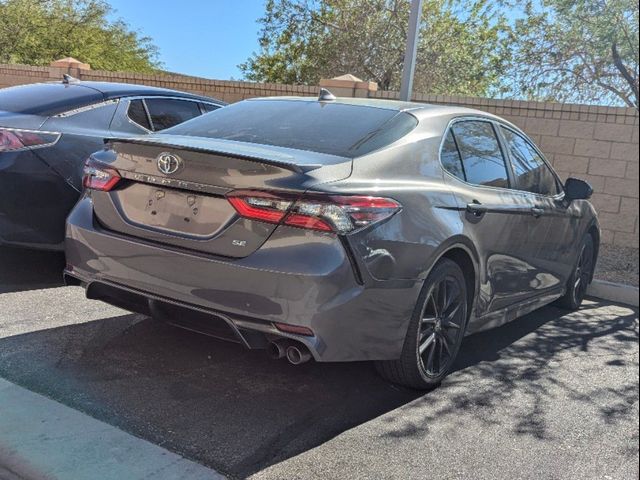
point(299, 161)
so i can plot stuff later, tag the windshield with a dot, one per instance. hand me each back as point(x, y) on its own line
point(331, 128)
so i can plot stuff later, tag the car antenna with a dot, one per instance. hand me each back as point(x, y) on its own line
point(326, 96)
point(66, 78)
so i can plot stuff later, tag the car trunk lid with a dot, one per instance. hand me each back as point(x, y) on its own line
point(20, 120)
point(173, 189)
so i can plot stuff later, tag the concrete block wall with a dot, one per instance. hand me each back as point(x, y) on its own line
point(227, 90)
point(596, 143)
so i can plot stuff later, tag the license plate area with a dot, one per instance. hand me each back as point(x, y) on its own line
point(176, 212)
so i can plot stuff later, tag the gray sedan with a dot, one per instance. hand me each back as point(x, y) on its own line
point(334, 229)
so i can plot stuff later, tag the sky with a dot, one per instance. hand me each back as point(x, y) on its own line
point(205, 38)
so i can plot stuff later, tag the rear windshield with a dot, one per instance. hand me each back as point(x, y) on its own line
point(47, 98)
point(332, 128)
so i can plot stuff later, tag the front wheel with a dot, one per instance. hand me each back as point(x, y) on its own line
point(581, 276)
point(435, 331)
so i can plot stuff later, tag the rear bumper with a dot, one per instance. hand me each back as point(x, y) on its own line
point(309, 282)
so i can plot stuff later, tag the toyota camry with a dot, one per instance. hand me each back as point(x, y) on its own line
point(334, 229)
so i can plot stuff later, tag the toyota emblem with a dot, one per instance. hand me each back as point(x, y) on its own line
point(168, 163)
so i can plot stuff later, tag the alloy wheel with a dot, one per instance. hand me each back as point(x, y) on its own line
point(441, 325)
point(583, 274)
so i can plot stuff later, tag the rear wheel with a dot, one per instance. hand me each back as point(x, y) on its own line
point(581, 277)
point(435, 332)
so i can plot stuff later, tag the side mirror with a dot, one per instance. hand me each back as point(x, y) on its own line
point(576, 189)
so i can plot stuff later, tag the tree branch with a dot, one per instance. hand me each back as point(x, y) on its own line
point(633, 83)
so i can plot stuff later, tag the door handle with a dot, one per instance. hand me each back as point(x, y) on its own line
point(476, 209)
point(537, 212)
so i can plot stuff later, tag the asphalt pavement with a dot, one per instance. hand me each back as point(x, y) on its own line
point(552, 395)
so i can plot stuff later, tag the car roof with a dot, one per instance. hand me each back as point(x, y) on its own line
point(362, 102)
point(116, 90)
point(52, 98)
point(419, 110)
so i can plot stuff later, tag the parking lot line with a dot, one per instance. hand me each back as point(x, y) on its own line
point(43, 439)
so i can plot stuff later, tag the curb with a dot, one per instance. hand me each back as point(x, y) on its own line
point(614, 292)
point(43, 439)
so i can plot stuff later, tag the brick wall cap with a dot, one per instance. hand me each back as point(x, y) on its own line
point(348, 77)
point(348, 81)
point(70, 62)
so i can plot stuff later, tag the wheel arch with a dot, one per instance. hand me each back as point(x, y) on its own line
point(461, 251)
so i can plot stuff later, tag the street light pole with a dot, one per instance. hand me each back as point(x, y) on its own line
point(412, 49)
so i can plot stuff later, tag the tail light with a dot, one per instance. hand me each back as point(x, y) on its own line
point(328, 213)
point(98, 176)
point(13, 139)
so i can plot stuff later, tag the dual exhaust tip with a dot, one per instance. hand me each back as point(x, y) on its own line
point(296, 353)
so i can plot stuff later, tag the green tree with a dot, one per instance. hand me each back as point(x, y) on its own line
point(461, 51)
point(578, 50)
point(36, 32)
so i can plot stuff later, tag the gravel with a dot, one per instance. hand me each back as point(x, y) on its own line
point(618, 264)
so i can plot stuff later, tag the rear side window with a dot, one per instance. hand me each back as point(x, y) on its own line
point(333, 128)
point(531, 171)
point(169, 112)
point(138, 114)
point(450, 157)
point(208, 107)
point(482, 158)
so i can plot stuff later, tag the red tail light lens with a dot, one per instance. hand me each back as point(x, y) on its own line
point(98, 176)
point(338, 214)
point(12, 139)
point(263, 206)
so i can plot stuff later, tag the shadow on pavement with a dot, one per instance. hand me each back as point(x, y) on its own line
point(240, 412)
point(22, 270)
point(526, 357)
point(235, 410)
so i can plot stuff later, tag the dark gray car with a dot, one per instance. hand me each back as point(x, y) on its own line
point(47, 131)
point(336, 230)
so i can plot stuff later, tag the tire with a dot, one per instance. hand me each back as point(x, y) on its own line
point(580, 277)
point(435, 331)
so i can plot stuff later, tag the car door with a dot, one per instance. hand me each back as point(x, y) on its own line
point(553, 228)
point(495, 217)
